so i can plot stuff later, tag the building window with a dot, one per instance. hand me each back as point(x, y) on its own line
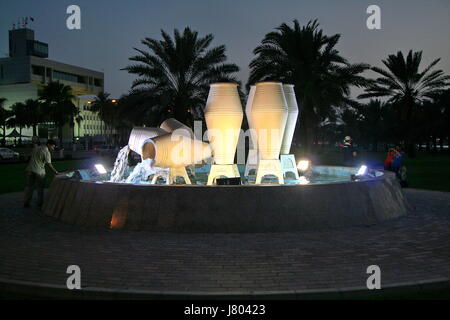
point(98, 82)
point(37, 48)
point(65, 76)
point(81, 79)
point(38, 70)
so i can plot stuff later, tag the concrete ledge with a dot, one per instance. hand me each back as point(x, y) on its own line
point(246, 208)
point(422, 289)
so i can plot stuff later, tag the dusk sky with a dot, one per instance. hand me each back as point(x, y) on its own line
point(110, 29)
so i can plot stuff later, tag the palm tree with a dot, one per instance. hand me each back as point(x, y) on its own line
point(101, 106)
point(4, 115)
point(351, 119)
point(19, 117)
point(58, 105)
point(444, 102)
point(307, 58)
point(34, 114)
point(174, 75)
point(106, 110)
point(78, 119)
point(428, 124)
point(407, 87)
point(371, 122)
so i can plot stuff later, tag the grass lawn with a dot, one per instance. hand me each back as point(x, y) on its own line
point(13, 175)
point(427, 171)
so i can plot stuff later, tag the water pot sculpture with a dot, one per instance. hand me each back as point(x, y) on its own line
point(223, 114)
point(168, 150)
point(139, 135)
point(288, 162)
point(173, 125)
point(252, 158)
point(269, 114)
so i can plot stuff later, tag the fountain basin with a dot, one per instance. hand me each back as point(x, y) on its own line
point(241, 208)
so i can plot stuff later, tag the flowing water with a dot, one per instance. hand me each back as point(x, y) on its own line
point(144, 169)
point(141, 171)
point(121, 165)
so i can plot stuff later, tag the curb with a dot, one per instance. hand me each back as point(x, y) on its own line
point(30, 290)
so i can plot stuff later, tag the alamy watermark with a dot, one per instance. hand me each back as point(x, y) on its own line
point(373, 22)
point(74, 280)
point(374, 280)
point(73, 21)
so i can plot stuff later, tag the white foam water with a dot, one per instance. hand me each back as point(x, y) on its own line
point(142, 171)
point(120, 165)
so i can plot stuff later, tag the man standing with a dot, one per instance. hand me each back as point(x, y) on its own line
point(40, 156)
point(349, 152)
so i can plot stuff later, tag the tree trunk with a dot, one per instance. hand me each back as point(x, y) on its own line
point(410, 145)
point(309, 138)
point(4, 136)
point(60, 135)
point(375, 145)
point(179, 113)
point(448, 142)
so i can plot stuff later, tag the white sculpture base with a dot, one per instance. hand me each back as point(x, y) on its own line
point(288, 164)
point(227, 170)
point(252, 161)
point(266, 167)
point(171, 174)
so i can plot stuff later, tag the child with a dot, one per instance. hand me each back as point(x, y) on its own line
point(389, 159)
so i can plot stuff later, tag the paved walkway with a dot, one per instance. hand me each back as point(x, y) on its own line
point(35, 252)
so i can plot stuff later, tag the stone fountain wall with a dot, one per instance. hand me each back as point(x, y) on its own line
point(245, 208)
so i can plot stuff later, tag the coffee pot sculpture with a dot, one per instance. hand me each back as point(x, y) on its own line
point(269, 113)
point(224, 115)
point(252, 157)
point(173, 125)
point(288, 162)
point(168, 150)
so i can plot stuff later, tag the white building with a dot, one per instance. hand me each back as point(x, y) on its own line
point(27, 70)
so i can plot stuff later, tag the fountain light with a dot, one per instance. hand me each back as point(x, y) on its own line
point(100, 168)
point(303, 165)
point(362, 170)
point(303, 180)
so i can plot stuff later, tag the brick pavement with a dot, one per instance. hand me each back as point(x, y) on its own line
point(36, 250)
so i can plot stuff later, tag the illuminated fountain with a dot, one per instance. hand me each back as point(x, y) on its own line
point(269, 114)
point(133, 197)
point(252, 158)
point(170, 150)
point(288, 163)
point(223, 114)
